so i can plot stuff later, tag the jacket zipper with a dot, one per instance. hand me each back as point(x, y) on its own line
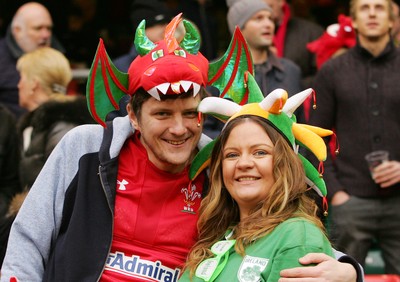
point(109, 248)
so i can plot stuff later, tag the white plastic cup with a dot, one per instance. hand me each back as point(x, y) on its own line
point(375, 158)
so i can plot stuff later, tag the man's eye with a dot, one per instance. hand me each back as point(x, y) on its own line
point(157, 54)
point(191, 114)
point(162, 114)
point(180, 53)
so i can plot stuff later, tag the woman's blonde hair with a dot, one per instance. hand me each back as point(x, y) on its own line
point(50, 67)
point(286, 199)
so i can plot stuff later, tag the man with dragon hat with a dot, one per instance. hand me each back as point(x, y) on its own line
point(119, 202)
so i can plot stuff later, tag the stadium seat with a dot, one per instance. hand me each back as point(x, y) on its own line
point(381, 278)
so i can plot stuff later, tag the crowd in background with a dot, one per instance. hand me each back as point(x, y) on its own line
point(78, 21)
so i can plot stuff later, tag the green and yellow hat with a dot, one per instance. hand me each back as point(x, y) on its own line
point(278, 110)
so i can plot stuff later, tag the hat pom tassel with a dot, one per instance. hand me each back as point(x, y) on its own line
point(325, 205)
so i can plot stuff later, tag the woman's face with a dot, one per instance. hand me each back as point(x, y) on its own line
point(247, 165)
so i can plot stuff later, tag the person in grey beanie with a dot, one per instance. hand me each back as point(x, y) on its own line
point(254, 19)
point(271, 72)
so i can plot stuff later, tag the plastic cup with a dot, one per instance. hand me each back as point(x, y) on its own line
point(375, 158)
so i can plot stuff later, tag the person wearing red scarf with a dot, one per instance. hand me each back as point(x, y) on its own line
point(291, 37)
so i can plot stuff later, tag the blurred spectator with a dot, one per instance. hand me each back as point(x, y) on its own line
point(31, 28)
point(254, 18)
point(83, 31)
point(157, 17)
point(45, 74)
point(336, 39)
point(291, 37)
point(358, 96)
point(396, 24)
point(203, 13)
point(9, 156)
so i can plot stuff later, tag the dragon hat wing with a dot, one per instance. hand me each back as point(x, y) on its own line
point(105, 87)
point(229, 74)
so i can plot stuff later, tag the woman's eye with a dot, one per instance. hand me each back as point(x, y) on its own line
point(261, 153)
point(231, 155)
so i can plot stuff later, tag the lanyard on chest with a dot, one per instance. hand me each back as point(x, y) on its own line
point(209, 269)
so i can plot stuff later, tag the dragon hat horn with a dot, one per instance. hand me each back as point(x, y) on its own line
point(168, 67)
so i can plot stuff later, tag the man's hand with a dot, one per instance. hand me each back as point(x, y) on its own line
point(387, 173)
point(327, 269)
point(340, 198)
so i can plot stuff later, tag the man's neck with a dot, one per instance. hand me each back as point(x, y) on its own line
point(375, 47)
point(259, 55)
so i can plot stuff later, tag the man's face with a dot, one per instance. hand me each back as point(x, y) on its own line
point(156, 32)
point(372, 19)
point(169, 131)
point(259, 30)
point(396, 23)
point(35, 31)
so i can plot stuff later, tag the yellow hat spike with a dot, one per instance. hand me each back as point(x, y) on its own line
point(311, 139)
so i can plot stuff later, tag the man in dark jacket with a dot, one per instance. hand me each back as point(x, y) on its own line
point(358, 96)
point(9, 158)
point(31, 28)
point(254, 18)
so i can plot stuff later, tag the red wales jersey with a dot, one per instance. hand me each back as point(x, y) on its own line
point(154, 221)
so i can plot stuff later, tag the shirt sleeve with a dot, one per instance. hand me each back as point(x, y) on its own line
point(289, 259)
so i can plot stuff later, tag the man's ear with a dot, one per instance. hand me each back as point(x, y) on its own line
point(15, 30)
point(354, 24)
point(132, 117)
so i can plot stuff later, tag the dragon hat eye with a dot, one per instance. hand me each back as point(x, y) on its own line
point(180, 53)
point(157, 54)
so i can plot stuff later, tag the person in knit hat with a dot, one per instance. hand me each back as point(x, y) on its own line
point(254, 18)
point(240, 12)
point(291, 37)
point(157, 17)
